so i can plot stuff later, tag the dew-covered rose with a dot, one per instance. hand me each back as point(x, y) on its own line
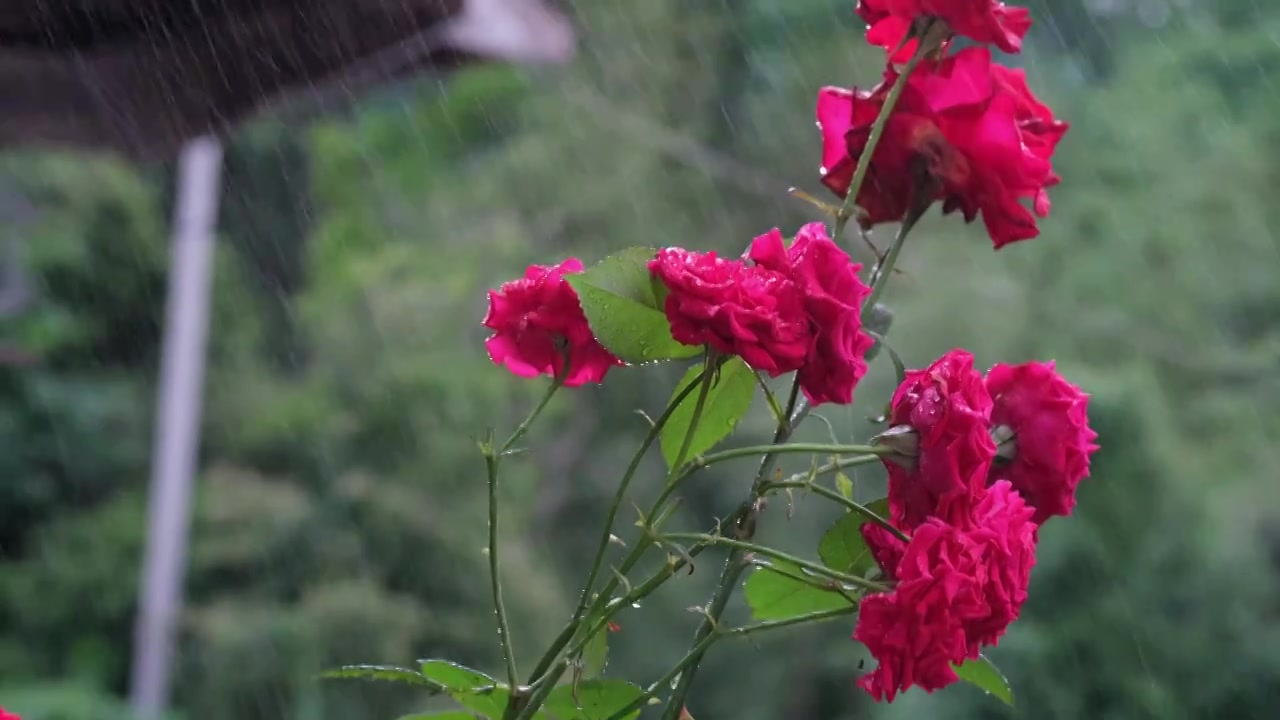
point(538, 325)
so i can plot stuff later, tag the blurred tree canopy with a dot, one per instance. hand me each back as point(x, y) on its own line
point(339, 516)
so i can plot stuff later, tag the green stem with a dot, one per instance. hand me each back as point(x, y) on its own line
point(603, 544)
point(873, 141)
point(816, 616)
point(523, 427)
point(880, 279)
point(813, 582)
point(492, 459)
point(573, 629)
point(774, 407)
point(652, 583)
point(774, 450)
point(708, 376)
point(706, 642)
point(816, 568)
point(832, 495)
point(733, 567)
point(545, 685)
point(504, 632)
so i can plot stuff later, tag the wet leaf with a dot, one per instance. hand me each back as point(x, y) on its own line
point(593, 700)
point(472, 689)
point(727, 402)
point(774, 596)
point(879, 507)
point(595, 656)
point(984, 674)
point(623, 309)
point(385, 673)
point(843, 549)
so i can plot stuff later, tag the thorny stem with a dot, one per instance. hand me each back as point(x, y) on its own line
point(639, 592)
point(493, 458)
point(774, 407)
point(873, 140)
point(816, 616)
point(816, 568)
point(603, 545)
point(524, 426)
point(504, 632)
point(745, 524)
point(696, 652)
point(858, 508)
point(703, 382)
point(787, 448)
point(708, 376)
point(880, 279)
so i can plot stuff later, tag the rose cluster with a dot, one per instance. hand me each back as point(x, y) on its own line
point(781, 308)
point(965, 130)
point(980, 464)
point(976, 463)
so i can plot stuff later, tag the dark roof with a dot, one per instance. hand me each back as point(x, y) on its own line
point(141, 76)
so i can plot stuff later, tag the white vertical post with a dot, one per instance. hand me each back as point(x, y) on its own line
point(176, 435)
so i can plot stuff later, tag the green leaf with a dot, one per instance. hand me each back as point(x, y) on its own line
point(879, 507)
point(622, 308)
point(843, 549)
point(774, 596)
point(471, 688)
point(844, 485)
point(593, 700)
point(386, 673)
point(446, 715)
point(986, 676)
point(455, 677)
point(727, 402)
point(595, 655)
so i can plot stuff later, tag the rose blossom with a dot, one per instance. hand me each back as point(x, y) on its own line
point(747, 310)
point(965, 131)
point(1048, 417)
point(885, 548)
point(1001, 524)
point(833, 295)
point(538, 322)
point(6, 715)
point(985, 21)
point(958, 587)
point(949, 410)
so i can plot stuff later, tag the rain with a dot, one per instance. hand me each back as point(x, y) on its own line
point(247, 406)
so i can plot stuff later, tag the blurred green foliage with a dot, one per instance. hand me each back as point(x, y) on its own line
point(340, 517)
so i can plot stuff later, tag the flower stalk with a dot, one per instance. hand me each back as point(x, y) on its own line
point(847, 208)
point(493, 459)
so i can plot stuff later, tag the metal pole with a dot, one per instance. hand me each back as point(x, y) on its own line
point(177, 424)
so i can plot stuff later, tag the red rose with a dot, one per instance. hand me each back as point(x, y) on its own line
point(885, 547)
point(985, 21)
point(746, 310)
point(6, 715)
point(913, 631)
point(1048, 417)
point(958, 587)
point(538, 322)
point(949, 409)
point(964, 131)
point(1002, 528)
point(833, 295)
